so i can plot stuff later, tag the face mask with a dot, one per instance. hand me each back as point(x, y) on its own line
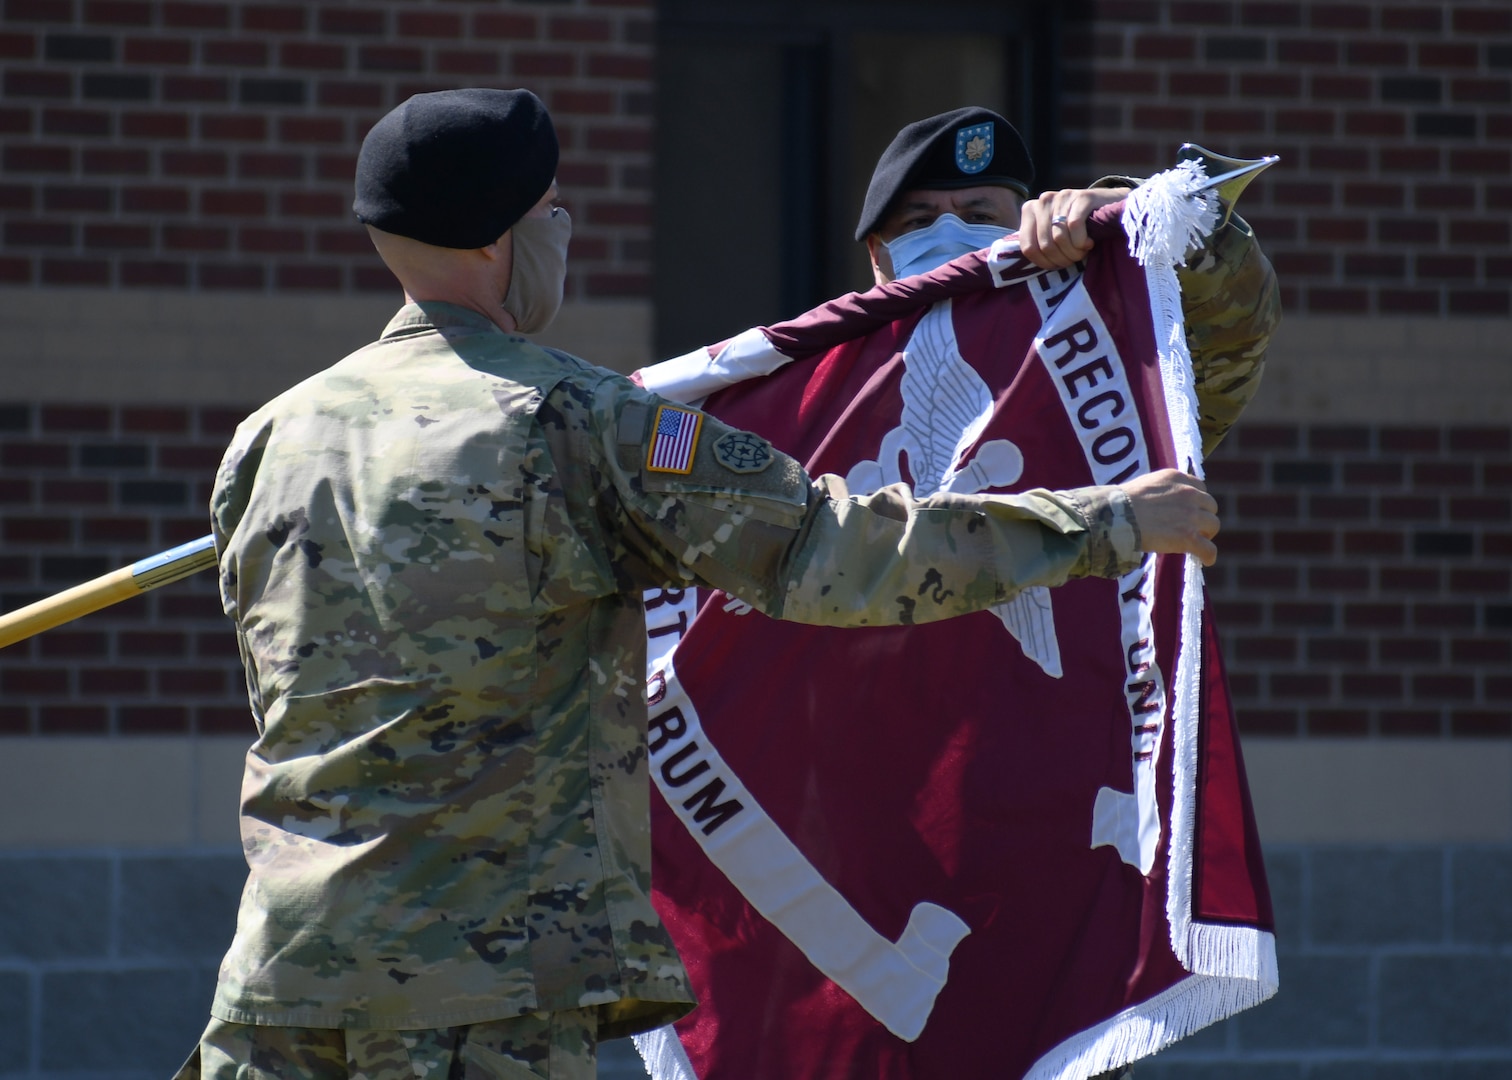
point(948, 237)
point(540, 270)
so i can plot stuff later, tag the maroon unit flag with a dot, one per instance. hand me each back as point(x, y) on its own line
point(1013, 844)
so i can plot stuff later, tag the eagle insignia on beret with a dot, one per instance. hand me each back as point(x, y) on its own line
point(973, 148)
point(742, 452)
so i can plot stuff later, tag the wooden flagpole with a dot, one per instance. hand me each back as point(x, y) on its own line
point(152, 572)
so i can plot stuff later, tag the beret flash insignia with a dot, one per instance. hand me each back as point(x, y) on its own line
point(973, 146)
point(742, 452)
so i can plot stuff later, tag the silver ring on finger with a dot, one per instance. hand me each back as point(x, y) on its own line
point(1059, 219)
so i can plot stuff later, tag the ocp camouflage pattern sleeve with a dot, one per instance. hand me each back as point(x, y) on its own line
point(887, 558)
point(1232, 305)
point(744, 518)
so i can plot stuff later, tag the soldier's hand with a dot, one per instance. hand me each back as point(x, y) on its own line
point(1053, 228)
point(1175, 514)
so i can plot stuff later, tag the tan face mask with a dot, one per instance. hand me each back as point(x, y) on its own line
point(540, 270)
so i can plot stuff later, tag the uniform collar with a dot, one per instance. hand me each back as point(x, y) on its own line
point(438, 315)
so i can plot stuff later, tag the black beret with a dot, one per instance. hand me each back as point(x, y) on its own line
point(456, 168)
point(970, 147)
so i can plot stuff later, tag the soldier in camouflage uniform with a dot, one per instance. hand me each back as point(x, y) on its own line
point(953, 183)
point(434, 553)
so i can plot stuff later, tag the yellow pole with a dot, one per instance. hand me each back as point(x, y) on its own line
point(152, 572)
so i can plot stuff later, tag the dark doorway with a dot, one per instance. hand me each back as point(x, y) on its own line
point(770, 118)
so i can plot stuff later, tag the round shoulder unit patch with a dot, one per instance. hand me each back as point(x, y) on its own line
point(742, 452)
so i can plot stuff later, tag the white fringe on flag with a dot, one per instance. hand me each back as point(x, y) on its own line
point(664, 1055)
point(1164, 219)
point(1233, 967)
point(1168, 215)
point(1189, 1006)
point(1161, 231)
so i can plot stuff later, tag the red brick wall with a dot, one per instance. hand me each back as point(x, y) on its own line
point(87, 489)
point(210, 145)
point(1364, 584)
point(1393, 120)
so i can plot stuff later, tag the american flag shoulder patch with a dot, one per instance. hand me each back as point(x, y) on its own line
point(673, 440)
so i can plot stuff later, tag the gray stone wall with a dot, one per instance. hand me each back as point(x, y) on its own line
point(1396, 964)
point(108, 961)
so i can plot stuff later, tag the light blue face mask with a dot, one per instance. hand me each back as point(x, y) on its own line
point(948, 237)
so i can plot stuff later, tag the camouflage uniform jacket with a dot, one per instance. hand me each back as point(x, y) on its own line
point(1232, 306)
point(434, 553)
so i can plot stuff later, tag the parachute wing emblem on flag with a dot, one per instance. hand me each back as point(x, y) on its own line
point(946, 406)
